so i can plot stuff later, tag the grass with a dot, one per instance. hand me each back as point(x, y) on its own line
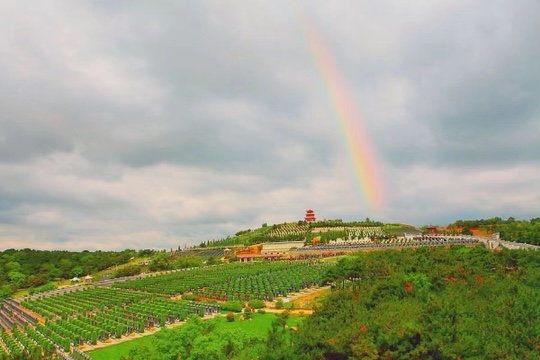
point(260, 324)
point(24, 292)
point(20, 293)
point(295, 320)
point(110, 271)
point(118, 350)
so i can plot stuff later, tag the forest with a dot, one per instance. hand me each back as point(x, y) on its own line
point(428, 303)
point(437, 303)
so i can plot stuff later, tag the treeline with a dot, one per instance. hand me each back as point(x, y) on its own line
point(325, 237)
point(525, 231)
point(243, 237)
point(521, 231)
point(163, 261)
point(29, 268)
point(491, 222)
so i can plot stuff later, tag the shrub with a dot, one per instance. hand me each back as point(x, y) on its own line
point(247, 313)
point(261, 311)
point(190, 297)
point(230, 316)
point(279, 304)
point(256, 304)
point(234, 306)
point(289, 305)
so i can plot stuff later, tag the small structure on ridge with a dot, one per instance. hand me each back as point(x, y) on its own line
point(310, 215)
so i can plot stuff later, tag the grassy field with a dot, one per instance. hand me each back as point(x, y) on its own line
point(259, 324)
point(116, 351)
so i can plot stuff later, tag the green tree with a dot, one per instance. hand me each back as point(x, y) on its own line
point(54, 272)
point(77, 271)
point(16, 277)
point(13, 266)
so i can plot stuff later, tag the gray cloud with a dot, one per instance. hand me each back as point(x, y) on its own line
point(154, 125)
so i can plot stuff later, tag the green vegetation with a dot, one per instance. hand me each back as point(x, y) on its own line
point(256, 304)
point(122, 349)
point(164, 261)
point(235, 281)
point(36, 269)
point(340, 223)
point(443, 303)
point(244, 237)
point(427, 303)
point(233, 306)
point(511, 229)
point(211, 339)
point(98, 314)
point(290, 231)
point(400, 229)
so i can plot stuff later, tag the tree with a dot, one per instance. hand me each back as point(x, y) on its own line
point(278, 343)
point(17, 278)
point(5, 291)
point(77, 271)
point(66, 265)
point(54, 272)
point(13, 266)
point(247, 313)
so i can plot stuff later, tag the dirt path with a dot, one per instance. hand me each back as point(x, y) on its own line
point(292, 312)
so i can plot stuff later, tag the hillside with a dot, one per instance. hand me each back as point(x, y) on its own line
point(323, 231)
point(425, 303)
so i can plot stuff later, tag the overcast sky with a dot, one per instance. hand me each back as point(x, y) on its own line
point(160, 124)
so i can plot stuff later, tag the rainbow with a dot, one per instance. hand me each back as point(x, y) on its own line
point(362, 159)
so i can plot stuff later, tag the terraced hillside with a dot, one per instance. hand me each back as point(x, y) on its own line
point(322, 231)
